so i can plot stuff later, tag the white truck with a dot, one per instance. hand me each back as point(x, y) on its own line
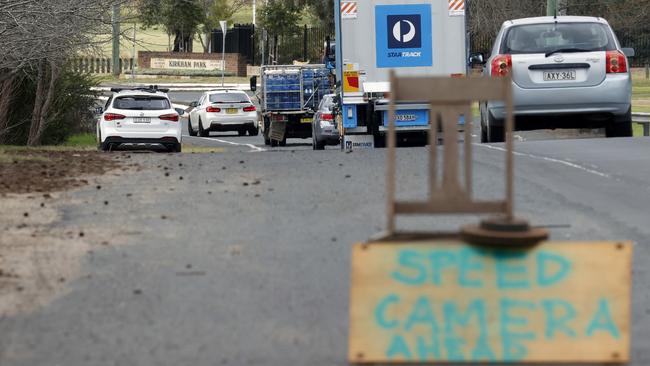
point(412, 37)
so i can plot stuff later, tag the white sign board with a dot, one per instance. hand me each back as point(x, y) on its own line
point(355, 142)
point(186, 64)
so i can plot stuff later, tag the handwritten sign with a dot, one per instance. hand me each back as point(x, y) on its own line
point(448, 301)
point(186, 64)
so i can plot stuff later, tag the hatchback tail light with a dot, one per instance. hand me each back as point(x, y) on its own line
point(250, 109)
point(327, 117)
point(616, 62)
point(169, 117)
point(213, 110)
point(501, 65)
point(113, 117)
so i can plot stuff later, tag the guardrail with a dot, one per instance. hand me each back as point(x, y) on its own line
point(642, 119)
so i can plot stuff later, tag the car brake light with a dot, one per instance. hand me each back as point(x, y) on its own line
point(169, 117)
point(501, 65)
point(327, 117)
point(113, 117)
point(213, 110)
point(250, 109)
point(616, 62)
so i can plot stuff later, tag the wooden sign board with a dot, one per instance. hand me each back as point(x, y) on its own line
point(448, 301)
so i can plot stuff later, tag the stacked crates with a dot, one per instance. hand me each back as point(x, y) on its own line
point(295, 88)
point(315, 85)
point(282, 89)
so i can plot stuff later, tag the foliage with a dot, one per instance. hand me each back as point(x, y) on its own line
point(71, 110)
point(180, 18)
point(280, 17)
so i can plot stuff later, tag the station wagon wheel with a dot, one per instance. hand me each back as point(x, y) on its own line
point(190, 129)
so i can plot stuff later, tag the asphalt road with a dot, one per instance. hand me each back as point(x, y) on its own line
point(242, 257)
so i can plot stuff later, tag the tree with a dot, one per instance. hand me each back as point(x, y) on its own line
point(217, 10)
point(180, 18)
point(38, 37)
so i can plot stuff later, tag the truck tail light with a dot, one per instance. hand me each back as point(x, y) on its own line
point(327, 117)
point(213, 110)
point(616, 62)
point(501, 65)
point(113, 117)
point(169, 117)
point(250, 109)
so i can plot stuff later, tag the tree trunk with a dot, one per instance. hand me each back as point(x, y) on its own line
point(6, 96)
point(42, 126)
point(38, 102)
point(183, 42)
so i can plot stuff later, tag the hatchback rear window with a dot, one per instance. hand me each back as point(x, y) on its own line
point(544, 38)
point(229, 98)
point(141, 103)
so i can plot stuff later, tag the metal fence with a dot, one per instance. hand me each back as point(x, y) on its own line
point(303, 44)
point(91, 65)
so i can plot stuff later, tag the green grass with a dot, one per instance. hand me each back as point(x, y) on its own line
point(81, 140)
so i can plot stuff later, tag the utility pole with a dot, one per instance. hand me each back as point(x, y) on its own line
point(224, 29)
point(116, 40)
point(551, 8)
point(254, 12)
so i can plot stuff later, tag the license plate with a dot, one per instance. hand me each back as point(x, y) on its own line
point(305, 120)
point(232, 110)
point(559, 75)
point(141, 120)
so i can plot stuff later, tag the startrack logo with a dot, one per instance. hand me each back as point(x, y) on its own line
point(405, 31)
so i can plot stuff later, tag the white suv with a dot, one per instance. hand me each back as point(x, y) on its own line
point(139, 116)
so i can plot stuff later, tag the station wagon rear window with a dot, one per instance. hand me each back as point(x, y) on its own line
point(141, 103)
point(549, 37)
point(229, 98)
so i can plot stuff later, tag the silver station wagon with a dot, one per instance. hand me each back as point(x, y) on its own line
point(567, 72)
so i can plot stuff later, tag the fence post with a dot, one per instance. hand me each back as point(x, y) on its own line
point(304, 44)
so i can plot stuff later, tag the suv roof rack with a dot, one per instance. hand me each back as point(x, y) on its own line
point(147, 89)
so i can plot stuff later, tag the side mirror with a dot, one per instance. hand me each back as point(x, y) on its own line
point(254, 83)
point(99, 110)
point(629, 52)
point(180, 111)
point(477, 59)
point(194, 104)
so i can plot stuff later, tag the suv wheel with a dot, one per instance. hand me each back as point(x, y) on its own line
point(253, 131)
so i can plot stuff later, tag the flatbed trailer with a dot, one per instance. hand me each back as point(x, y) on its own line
point(289, 97)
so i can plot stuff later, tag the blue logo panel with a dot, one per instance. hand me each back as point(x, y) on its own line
point(403, 35)
point(409, 118)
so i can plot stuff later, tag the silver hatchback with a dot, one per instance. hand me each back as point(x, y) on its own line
point(567, 72)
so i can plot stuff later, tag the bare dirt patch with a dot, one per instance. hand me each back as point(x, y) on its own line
point(27, 170)
point(38, 255)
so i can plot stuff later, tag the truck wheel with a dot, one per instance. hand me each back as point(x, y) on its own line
point(284, 141)
point(380, 142)
point(265, 133)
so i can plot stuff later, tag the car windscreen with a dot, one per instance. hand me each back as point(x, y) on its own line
point(229, 98)
point(141, 103)
point(545, 38)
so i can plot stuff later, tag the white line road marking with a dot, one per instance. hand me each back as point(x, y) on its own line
point(251, 146)
point(552, 160)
